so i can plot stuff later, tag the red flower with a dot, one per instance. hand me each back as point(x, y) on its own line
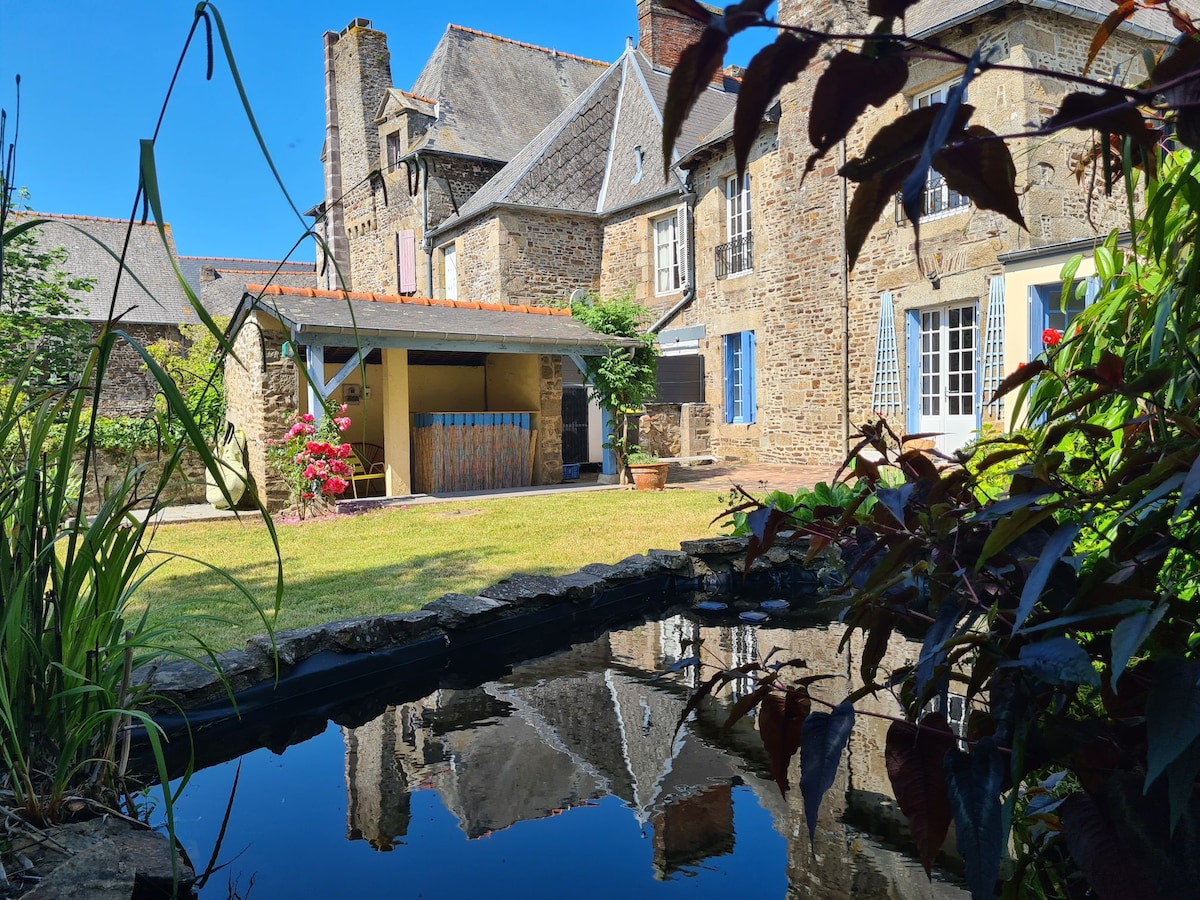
point(1051, 337)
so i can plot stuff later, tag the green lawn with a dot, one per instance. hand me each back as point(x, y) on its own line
point(397, 560)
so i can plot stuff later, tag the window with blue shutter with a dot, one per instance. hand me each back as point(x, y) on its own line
point(740, 404)
point(912, 365)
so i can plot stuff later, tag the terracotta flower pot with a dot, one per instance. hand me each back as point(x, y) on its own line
point(649, 476)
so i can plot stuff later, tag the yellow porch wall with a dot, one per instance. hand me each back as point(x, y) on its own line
point(397, 456)
point(1019, 277)
point(366, 419)
point(447, 389)
point(512, 383)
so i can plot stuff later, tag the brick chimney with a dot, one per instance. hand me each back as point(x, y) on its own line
point(663, 34)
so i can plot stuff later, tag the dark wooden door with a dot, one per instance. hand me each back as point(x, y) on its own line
point(575, 424)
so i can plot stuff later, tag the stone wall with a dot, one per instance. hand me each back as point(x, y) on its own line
point(676, 430)
point(628, 256)
point(129, 389)
point(544, 257)
point(548, 461)
point(802, 312)
point(110, 467)
point(262, 391)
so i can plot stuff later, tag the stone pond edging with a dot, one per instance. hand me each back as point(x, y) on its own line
point(454, 625)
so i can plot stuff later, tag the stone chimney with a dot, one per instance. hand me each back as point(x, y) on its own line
point(663, 34)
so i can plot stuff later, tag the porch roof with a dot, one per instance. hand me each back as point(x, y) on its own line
point(336, 318)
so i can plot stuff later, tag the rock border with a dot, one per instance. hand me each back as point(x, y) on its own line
point(348, 671)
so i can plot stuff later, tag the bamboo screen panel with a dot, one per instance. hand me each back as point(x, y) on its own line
point(471, 451)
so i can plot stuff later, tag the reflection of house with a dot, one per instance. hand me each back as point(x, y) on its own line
point(594, 722)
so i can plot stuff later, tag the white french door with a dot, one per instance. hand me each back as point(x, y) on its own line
point(948, 357)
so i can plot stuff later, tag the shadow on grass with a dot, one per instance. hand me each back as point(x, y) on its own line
point(314, 598)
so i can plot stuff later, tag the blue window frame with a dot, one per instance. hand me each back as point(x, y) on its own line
point(740, 404)
point(1047, 310)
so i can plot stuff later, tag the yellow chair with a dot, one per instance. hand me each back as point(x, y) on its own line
point(367, 467)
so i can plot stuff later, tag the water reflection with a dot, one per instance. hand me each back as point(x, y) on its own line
point(595, 722)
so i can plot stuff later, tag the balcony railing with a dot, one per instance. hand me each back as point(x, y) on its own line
point(938, 198)
point(735, 257)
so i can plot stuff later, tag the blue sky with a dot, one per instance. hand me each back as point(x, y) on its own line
point(94, 75)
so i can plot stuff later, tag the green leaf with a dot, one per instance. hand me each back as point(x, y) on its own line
point(915, 759)
point(1189, 489)
point(1172, 714)
point(1128, 637)
point(823, 738)
point(1059, 543)
point(973, 782)
point(1062, 623)
point(1009, 528)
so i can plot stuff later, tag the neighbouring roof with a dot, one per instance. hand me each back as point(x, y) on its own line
point(932, 16)
point(420, 320)
point(159, 299)
point(586, 160)
point(221, 282)
point(493, 94)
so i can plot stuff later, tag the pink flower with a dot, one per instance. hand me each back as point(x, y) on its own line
point(308, 417)
point(343, 451)
point(1051, 337)
point(334, 486)
point(342, 423)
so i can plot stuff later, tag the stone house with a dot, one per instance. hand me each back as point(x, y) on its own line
point(798, 352)
point(517, 175)
point(747, 279)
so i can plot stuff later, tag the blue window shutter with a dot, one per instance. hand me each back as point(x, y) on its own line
point(912, 363)
point(729, 339)
point(1037, 320)
point(993, 348)
point(1092, 291)
point(749, 376)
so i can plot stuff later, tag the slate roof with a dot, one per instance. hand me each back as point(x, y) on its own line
point(228, 278)
point(494, 94)
point(584, 161)
point(931, 16)
point(165, 304)
point(307, 310)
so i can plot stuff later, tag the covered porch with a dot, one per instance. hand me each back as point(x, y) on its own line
point(460, 396)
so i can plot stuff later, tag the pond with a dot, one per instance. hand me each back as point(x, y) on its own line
point(565, 777)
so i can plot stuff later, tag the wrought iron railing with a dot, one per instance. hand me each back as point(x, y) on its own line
point(937, 198)
point(736, 256)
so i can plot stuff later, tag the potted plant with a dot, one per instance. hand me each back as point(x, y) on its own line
point(649, 473)
point(622, 380)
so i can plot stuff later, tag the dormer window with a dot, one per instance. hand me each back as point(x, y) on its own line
point(394, 150)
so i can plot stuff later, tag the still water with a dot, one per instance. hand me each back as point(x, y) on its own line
point(566, 778)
